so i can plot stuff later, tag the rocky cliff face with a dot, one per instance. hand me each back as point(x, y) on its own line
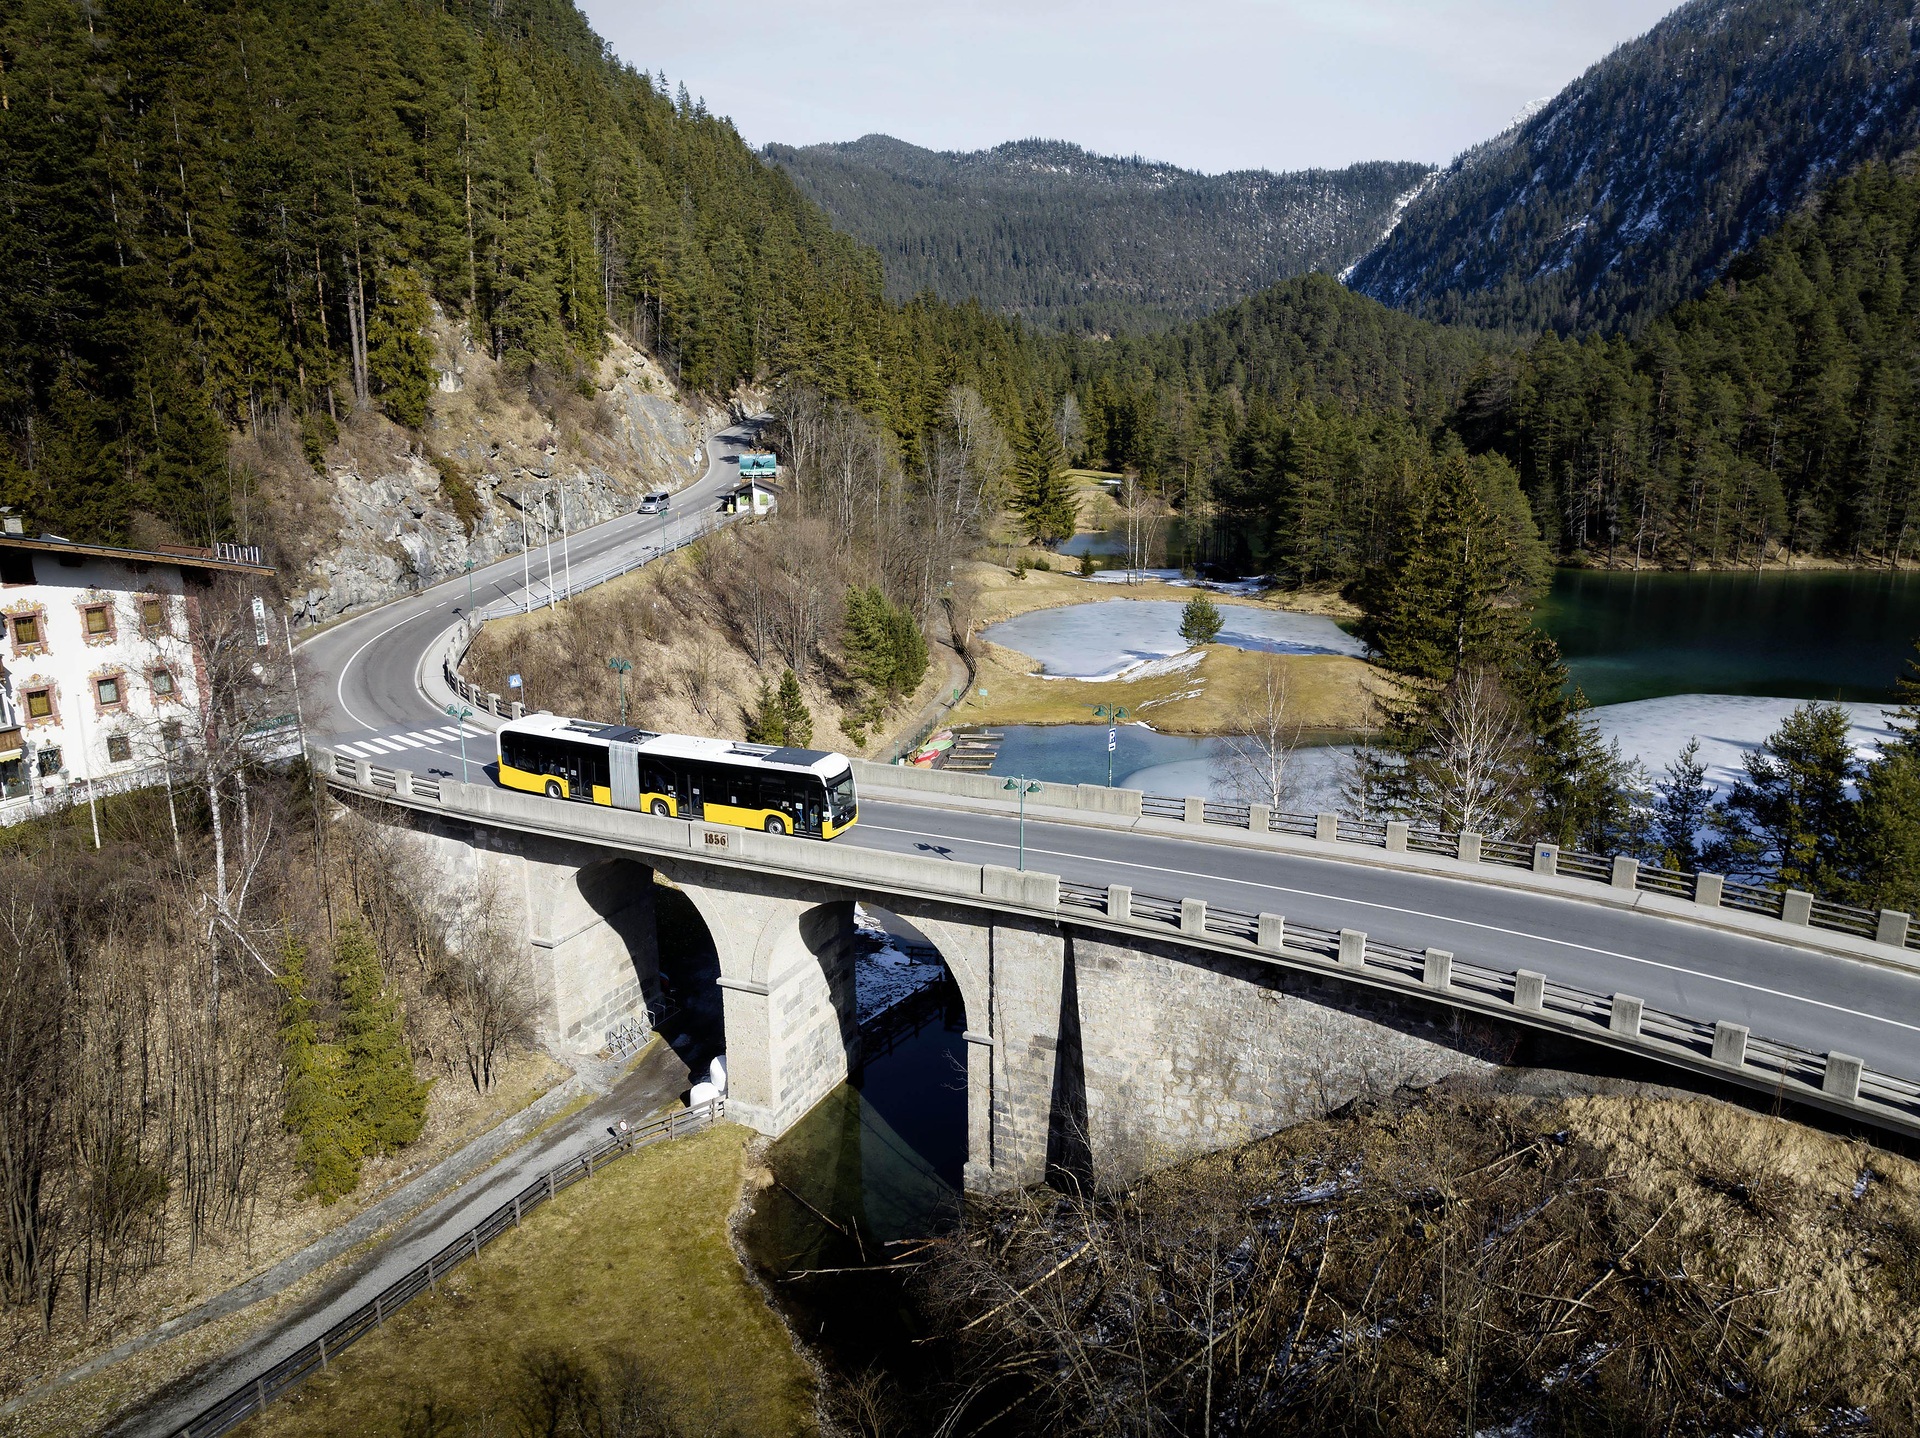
point(387, 512)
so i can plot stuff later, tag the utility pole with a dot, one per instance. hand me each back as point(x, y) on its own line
point(461, 714)
point(526, 564)
point(566, 552)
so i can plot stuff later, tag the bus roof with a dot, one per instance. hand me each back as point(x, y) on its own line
point(682, 746)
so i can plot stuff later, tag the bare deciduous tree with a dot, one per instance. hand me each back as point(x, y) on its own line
point(1469, 771)
point(1254, 762)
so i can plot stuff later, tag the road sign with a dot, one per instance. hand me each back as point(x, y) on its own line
point(513, 681)
point(1111, 744)
point(260, 621)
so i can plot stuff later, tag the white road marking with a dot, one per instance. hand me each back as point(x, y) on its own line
point(1424, 914)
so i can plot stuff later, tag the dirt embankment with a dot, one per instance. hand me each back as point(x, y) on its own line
point(694, 666)
point(1529, 1256)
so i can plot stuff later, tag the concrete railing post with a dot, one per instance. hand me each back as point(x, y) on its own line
point(1273, 932)
point(1437, 972)
point(1120, 903)
point(1396, 836)
point(1892, 928)
point(1706, 890)
point(1546, 858)
point(363, 773)
point(1842, 1078)
point(1326, 827)
point(1796, 907)
point(1194, 811)
point(1259, 818)
point(1353, 948)
point(1730, 1044)
point(1529, 991)
point(1626, 872)
point(1193, 916)
point(1468, 850)
point(519, 710)
point(1623, 1017)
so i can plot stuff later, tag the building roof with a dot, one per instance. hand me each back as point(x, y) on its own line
point(230, 558)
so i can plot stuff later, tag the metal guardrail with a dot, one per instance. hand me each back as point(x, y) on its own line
point(1726, 1049)
point(1726, 1046)
point(508, 708)
point(274, 1382)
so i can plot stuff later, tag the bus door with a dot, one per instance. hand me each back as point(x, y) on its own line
point(579, 781)
point(813, 806)
point(691, 804)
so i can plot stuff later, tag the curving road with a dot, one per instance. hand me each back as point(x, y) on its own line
point(369, 668)
point(364, 678)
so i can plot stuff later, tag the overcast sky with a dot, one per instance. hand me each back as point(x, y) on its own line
point(1210, 84)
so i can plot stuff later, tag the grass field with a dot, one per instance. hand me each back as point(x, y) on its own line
point(628, 1278)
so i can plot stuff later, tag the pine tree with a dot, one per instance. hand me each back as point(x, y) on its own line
point(1200, 621)
point(1887, 844)
point(329, 1141)
point(1044, 497)
point(1682, 802)
point(767, 724)
point(1789, 820)
point(387, 1100)
point(796, 720)
point(399, 354)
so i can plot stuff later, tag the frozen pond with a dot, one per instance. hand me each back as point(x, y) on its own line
point(1107, 637)
point(1729, 726)
point(1654, 731)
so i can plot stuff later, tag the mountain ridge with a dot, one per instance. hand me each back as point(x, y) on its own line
point(1072, 239)
point(1635, 186)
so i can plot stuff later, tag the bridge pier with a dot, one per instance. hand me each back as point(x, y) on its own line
point(786, 972)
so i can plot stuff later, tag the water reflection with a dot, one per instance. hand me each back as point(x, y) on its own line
point(880, 1160)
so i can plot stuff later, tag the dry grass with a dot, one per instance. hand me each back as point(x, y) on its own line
point(634, 1266)
point(1462, 1260)
point(1327, 693)
point(690, 675)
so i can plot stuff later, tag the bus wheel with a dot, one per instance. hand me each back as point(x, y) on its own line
point(776, 825)
point(661, 810)
point(554, 791)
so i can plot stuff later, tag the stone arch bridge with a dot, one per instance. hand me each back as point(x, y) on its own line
point(1105, 1028)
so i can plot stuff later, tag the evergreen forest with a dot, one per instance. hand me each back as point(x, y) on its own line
point(217, 211)
point(1091, 243)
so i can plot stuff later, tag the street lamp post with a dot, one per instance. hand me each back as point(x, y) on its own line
point(1113, 714)
point(461, 714)
point(469, 596)
point(1023, 787)
point(621, 668)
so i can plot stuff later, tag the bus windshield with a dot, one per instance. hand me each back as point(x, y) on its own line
point(840, 797)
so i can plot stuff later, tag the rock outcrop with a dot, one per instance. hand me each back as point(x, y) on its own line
point(503, 463)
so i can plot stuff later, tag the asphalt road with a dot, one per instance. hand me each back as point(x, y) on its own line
point(359, 675)
point(368, 667)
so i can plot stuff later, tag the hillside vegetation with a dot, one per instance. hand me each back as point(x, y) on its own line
point(1088, 243)
point(1643, 179)
point(217, 216)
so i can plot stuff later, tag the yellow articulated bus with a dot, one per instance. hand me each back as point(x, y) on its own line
point(756, 786)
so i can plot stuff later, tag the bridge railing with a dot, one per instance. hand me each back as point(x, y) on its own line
point(1619, 1018)
point(257, 1392)
point(1831, 1079)
point(1615, 871)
